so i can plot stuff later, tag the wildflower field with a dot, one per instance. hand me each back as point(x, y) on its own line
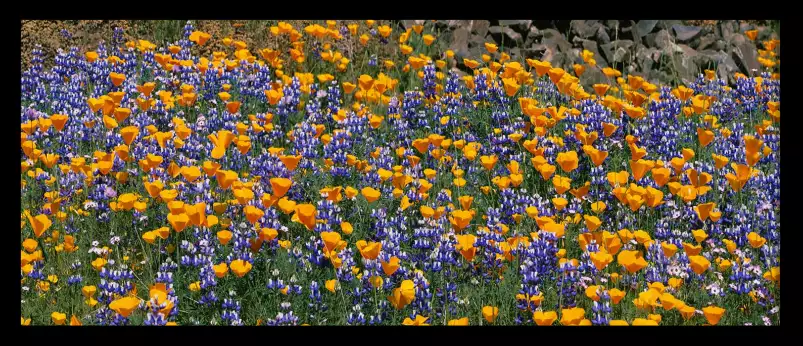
point(349, 176)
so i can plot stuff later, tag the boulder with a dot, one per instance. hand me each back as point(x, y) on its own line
point(408, 24)
point(536, 51)
point(515, 53)
point(688, 51)
point(667, 24)
point(544, 24)
point(585, 28)
point(705, 41)
point(480, 27)
point(626, 33)
point(454, 24)
point(646, 57)
point(592, 76)
point(533, 36)
point(685, 68)
point(641, 29)
point(505, 36)
point(602, 35)
point(520, 26)
point(554, 39)
point(745, 54)
point(685, 33)
point(621, 55)
point(656, 76)
point(459, 43)
point(592, 47)
point(727, 28)
point(646, 26)
point(662, 40)
point(716, 60)
point(617, 50)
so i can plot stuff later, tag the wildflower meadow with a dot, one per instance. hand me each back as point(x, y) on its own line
point(350, 174)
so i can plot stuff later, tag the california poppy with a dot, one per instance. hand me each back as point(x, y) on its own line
point(125, 306)
point(489, 313)
point(458, 322)
point(631, 260)
point(545, 318)
point(699, 264)
point(58, 318)
point(369, 250)
point(713, 314)
point(572, 316)
point(307, 215)
point(370, 194)
point(280, 186)
point(403, 295)
point(240, 267)
point(40, 223)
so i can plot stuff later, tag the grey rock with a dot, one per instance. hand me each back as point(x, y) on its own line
point(621, 55)
point(706, 41)
point(442, 24)
point(543, 24)
point(476, 46)
point(628, 31)
point(663, 39)
point(711, 59)
point(454, 24)
point(480, 27)
point(553, 38)
point(646, 26)
point(521, 26)
point(645, 57)
point(659, 77)
point(637, 32)
point(459, 43)
point(592, 47)
point(561, 59)
point(765, 33)
point(407, 24)
point(685, 68)
point(592, 76)
point(478, 41)
point(549, 54)
point(728, 28)
point(536, 51)
point(726, 68)
point(649, 40)
point(685, 33)
point(459, 72)
point(688, 51)
point(719, 44)
point(667, 24)
point(615, 50)
point(505, 36)
point(745, 55)
point(533, 35)
point(602, 35)
point(515, 53)
point(585, 28)
point(626, 44)
point(574, 54)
